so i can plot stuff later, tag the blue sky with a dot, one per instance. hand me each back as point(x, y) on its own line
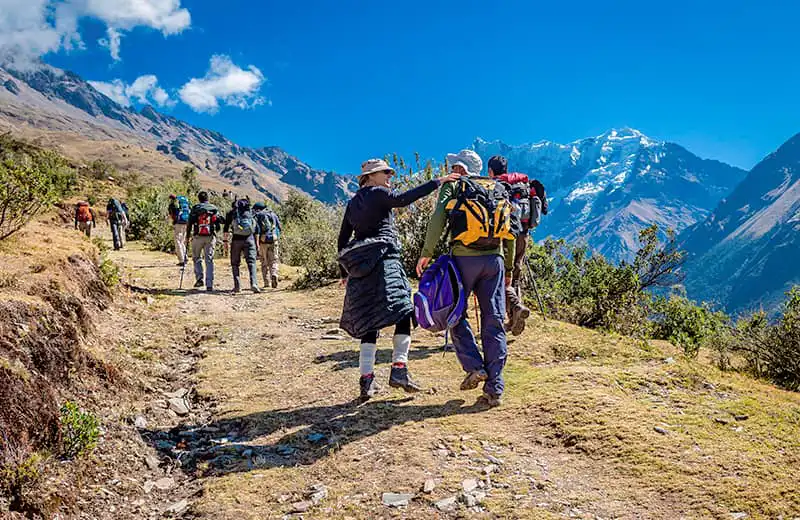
point(341, 81)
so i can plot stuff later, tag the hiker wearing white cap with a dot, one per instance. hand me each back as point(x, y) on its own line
point(482, 245)
point(378, 294)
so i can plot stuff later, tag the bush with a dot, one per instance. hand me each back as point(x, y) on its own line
point(772, 350)
point(19, 475)
point(309, 239)
point(80, 430)
point(109, 272)
point(591, 292)
point(688, 325)
point(30, 180)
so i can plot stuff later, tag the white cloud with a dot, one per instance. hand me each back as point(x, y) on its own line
point(144, 90)
point(224, 83)
point(31, 28)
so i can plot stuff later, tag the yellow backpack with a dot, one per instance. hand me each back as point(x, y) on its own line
point(480, 215)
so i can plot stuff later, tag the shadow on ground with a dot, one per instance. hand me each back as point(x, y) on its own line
point(225, 446)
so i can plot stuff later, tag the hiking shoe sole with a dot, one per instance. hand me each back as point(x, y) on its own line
point(473, 379)
point(519, 321)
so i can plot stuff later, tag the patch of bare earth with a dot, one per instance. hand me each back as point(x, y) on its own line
point(593, 425)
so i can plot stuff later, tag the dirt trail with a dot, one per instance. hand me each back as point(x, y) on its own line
point(274, 428)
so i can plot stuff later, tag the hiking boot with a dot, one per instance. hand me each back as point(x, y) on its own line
point(255, 289)
point(473, 379)
point(518, 317)
point(209, 289)
point(181, 264)
point(274, 282)
point(236, 289)
point(400, 378)
point(369, 387)
point(199, 283)
point(491, 400)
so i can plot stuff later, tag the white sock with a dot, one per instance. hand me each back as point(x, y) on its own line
point(366, 359)
point(402, 343)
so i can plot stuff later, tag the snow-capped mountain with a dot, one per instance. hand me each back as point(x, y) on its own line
point(746, 254)
point(62, 103)
point(603, 190)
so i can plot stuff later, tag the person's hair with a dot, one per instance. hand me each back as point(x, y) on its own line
point(498, 164)
point(202, 196)
point(364, 179)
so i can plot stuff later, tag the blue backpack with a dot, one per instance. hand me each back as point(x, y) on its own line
point(183, 210)
point(440, 302)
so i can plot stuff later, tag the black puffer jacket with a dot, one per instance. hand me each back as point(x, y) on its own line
point(378, 293)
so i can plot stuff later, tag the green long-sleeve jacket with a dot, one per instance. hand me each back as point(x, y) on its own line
point(436, 226)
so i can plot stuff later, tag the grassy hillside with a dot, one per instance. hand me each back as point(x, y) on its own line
point(594, 425)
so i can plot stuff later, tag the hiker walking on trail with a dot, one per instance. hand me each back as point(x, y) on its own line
point(202, 228)
point(179, 211)
point(117, 220)
point(480, 221)
point(378, 294)
point(241, 223)
point(528, 209)
point(269, 231)
point(85, 218)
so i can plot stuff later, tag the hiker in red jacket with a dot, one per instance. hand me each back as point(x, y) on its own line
point(529, 208)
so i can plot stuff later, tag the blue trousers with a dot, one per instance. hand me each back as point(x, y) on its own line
point(485, 275)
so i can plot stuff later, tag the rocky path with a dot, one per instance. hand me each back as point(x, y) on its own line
point(250, 412)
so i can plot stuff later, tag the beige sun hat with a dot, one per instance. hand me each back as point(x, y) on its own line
point(468, 159)
point(371, 166)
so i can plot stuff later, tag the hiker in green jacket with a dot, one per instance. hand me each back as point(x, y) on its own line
point(484, 270)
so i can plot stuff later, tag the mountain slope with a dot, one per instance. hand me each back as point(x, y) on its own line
point(604, 189)
point(745, 254)
point(62, 103)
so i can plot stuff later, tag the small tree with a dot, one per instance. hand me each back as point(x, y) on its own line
point(30, 180)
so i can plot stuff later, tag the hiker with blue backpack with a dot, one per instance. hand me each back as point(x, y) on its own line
point(118, 220)
point(378, 294)
point(240, 232)
point(269, 231)
point(479, 218)
point(179, 211)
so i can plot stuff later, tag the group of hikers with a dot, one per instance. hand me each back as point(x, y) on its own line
point(487, 221)
point(117, 218)
point(252, 232)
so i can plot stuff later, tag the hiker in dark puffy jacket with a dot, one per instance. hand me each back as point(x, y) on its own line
point(203, 226)
point(241, 224)
point(378, 293)
point(486, 272)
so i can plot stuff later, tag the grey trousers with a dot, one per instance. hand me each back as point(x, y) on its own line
point(203, 250)
point(248, 248)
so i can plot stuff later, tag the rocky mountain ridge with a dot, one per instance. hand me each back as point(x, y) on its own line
point(52, 99)
point(603, 190)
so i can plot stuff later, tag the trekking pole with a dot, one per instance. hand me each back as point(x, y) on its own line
point(477, 316)
point(535, 288)
point(183, 271)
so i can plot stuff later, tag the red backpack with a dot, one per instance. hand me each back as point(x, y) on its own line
point(84, 213)
point(205, 223)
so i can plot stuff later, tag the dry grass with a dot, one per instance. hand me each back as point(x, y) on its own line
point(577, 432)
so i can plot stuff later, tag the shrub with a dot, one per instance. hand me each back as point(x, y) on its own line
point(309, 239)
point(80, 430)
point(772, 350)
point(30, 180)
point(20, 473)
point(109, 272)
point(590, 291)
point(688, 325)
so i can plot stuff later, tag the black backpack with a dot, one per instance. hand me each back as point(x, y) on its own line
point(537, 185)
point(520, 195)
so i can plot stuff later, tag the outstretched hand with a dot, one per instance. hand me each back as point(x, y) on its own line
point(422, 265)
point(450, 177)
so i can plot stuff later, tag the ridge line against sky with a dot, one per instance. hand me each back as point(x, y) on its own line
point(316, 79)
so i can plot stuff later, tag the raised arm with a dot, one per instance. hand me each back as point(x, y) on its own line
point(401, 200)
